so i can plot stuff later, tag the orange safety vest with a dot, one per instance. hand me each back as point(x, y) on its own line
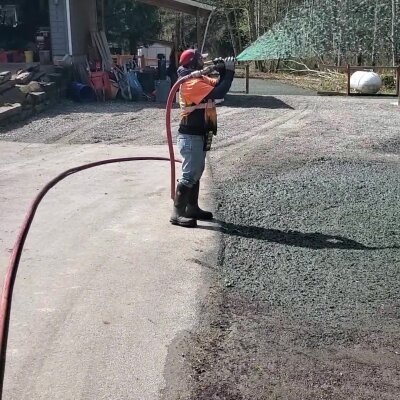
point(191, 98)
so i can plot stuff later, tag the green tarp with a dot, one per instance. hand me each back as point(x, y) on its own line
point(270, 46)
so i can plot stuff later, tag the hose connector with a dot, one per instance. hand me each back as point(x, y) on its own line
point(203, 72)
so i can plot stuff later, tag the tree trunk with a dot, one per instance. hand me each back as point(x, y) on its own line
point(182, 29)
point(373, 51)
point(237, 29)
point(178, 36)
point(277, 65)
point(252, 22)
point(342, 22)
point(393, 36)
point(276, 11)
point(309, 33)
point(228, 20)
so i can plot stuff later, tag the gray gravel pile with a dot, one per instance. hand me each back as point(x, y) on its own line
point(317, 243)
point(307, 191)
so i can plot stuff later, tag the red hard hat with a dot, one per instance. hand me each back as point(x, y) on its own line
point(188, 56)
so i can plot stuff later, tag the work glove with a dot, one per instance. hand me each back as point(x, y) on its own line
point(219, 64)
point(230, 63)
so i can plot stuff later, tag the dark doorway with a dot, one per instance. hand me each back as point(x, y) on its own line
point(24, 25)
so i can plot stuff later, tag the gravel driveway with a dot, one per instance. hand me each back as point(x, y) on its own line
point(304, 302)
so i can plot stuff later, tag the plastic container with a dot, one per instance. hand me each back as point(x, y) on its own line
point(82, 93)
point(44, 57)
point(162, 67)
point(28, 56)
point(162, 90)
point(366, 82)
point(146, 79)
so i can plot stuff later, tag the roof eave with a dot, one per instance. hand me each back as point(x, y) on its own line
point(186, 6)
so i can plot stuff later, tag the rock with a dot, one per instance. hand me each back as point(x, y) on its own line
point(26, 113)
point(37, 97)
point(6, 85)
point(9, 111)
point(35, 86)
point(48, 86)
point(24, 77)
point(5, 76)
point(12, 95)
point(38, 76)
point(40, 108)
point(30, 87)
point(51, 90)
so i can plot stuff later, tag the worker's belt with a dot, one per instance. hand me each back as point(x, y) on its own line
point(201, 106)
point(208, 136)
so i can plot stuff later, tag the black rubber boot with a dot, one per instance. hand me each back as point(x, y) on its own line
point(178, 216)
point(193, 210)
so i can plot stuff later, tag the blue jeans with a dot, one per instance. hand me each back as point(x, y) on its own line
point(191, 149)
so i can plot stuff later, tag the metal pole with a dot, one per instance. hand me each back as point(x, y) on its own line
point(247, 78)
point(69, 29)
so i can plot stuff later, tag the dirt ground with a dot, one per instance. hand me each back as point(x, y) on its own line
point(304, 301)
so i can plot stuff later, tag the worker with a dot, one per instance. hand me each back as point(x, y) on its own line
point(172, 68)
point(197, 127)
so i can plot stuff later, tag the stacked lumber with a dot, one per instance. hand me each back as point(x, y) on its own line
point(28, 92)
point(100, 43)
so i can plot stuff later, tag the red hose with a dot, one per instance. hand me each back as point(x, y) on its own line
point(11, 273)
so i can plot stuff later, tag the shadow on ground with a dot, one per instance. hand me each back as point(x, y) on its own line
point(313, 240)
point(255, 101)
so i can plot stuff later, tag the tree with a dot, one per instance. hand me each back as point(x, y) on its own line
point(336, 31)
point(130, 23)
point(329, 31)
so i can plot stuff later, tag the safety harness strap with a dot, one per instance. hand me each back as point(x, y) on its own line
point(202, 106)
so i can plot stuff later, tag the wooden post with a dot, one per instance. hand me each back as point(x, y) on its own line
point(348, 79)
point(247, 78)
point(398, 83)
